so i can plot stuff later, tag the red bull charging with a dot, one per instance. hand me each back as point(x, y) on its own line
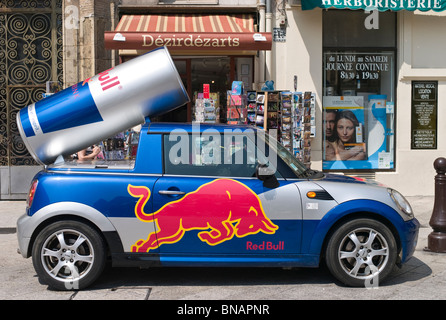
point(236, 211)
point(101, 106)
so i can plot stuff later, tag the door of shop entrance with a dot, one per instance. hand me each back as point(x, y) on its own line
point(217, 71)
point(196, 71)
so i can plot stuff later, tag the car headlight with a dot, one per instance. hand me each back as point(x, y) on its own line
point(401, 202)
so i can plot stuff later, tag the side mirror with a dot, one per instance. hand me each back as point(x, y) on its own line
point(267, 176)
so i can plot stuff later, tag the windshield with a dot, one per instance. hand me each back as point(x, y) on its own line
point(299, 169)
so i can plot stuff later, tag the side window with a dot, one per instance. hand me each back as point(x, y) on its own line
point(211, 154)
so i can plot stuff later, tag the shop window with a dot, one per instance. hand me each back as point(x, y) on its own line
point(210, 70)
point(359, 91)
point(244, 72)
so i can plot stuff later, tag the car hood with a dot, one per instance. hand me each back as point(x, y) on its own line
point(344, 188)
point(349, 179)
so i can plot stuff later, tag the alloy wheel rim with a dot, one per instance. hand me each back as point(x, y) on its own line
point(67, 255)
point(363, 253)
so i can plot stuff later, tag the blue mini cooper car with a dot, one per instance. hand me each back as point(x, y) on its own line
point(210, 195)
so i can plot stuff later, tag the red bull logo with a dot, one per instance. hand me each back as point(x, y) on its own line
point(222, 209)
point(106, 81)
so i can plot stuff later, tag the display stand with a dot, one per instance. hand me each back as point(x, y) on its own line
point(286, 111)
point(292, 114)
point(114, 147)
point(260, 110)
point(272, 118)
point(206, 110)
point(251, 107)
point(303, 124)
point(236, 111)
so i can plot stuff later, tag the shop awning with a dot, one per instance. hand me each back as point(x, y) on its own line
point(381, 5)
point(188, 32)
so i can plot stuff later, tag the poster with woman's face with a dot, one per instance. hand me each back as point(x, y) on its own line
point(344, 128)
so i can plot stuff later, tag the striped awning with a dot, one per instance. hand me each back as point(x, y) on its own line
point(186, 32)
point(187, 23)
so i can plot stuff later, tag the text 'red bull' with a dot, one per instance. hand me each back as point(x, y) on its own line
point(105, 80)
point(235, 211)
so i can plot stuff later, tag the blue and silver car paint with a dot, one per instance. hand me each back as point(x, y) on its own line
point(97, 193)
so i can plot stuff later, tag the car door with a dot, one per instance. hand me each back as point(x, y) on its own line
point(209, 200)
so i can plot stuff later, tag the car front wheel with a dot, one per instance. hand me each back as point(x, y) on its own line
point(361, 252)
point(68, 255)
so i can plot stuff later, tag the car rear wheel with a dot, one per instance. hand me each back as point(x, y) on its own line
point(361, 252)
point(68, 255)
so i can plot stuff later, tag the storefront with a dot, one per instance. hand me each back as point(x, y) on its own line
point(374, 67)
point(359, 91)
point(379, 79)
point(207, 49)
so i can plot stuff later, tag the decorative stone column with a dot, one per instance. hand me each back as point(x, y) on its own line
point(84, 24)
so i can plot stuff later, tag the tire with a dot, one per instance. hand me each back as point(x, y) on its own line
point(68, 255)
point(361, 253)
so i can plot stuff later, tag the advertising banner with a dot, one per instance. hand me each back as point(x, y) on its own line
point(344, 132)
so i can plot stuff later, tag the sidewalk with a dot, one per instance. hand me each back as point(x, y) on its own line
point(10, 211)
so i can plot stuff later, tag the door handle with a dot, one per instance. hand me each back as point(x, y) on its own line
point(171, 192)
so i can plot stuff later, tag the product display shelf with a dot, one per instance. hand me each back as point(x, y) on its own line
point(236, 112)
point(303, 125)
point(291, 114)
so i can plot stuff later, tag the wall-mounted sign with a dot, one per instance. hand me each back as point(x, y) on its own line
point(279, 34)
point(188, 41)
point(424, 115)
point(358, 66)
point(410, 5)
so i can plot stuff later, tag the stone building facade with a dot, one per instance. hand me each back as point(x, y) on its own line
point(73, 47)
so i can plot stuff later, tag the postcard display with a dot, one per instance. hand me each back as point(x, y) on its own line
point(236, 112)
point(298, 124)
point(291, 113)
point(207, 110)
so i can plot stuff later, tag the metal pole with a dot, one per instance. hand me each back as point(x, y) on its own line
point(262, 28)
point(436, 241)
point(269, 28)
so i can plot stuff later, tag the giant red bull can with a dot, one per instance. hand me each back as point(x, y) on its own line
point(101, 106)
